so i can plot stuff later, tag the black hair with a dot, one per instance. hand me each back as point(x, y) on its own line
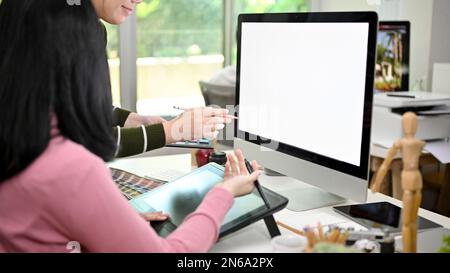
point(52, 63)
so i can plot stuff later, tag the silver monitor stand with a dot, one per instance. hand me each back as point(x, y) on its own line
point(270, 172)
point(302, 199)
point(301, 196)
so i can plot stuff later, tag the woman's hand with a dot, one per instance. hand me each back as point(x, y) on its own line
point(196, 123)
point(135, 120)
point(237, 180)
point(154, 216)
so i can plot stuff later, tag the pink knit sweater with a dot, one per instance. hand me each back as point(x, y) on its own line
point(67, 195)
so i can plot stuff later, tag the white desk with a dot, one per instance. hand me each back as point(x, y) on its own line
point(255, 238)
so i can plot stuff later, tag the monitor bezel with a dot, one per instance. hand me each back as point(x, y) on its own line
point(406, 50)
point(319, 17)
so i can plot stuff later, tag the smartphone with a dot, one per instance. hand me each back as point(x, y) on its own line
point(382, 215)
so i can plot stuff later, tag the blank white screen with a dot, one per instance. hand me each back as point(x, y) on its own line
point(303, 84)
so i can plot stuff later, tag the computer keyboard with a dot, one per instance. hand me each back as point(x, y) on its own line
point(131, 185)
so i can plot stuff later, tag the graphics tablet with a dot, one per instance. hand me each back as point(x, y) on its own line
point(382, 215)
point(182, 197)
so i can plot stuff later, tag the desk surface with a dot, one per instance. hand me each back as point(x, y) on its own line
point(255, 238)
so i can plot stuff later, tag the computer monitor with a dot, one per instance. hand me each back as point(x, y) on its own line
point(392, 66)
point(304, 96)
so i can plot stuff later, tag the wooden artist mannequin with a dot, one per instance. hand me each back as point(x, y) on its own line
point(411, 150)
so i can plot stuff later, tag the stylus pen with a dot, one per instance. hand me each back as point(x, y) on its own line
point(181, 108)
point(186, 109)
point(257, 185)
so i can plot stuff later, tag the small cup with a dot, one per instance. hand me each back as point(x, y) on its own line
point(288, 244)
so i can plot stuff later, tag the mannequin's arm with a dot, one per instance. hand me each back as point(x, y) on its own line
point(381, 173)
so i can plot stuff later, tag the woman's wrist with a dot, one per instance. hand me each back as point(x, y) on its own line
point(133, 120)
point(226, 187)
point(168, 132)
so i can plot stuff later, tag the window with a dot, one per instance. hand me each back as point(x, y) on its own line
point(114, 61)
point(261, 6)
point(179, 44)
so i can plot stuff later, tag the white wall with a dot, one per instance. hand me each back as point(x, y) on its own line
point(387, 9)
point(440, 37)
point(418, 12)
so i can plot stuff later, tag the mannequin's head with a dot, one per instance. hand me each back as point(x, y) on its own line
point(409, 124)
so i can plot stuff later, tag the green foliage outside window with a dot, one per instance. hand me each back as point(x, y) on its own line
point(113, 40)
point(446, 247)
point(168, 28)
point(259, 6)
point(263, 6)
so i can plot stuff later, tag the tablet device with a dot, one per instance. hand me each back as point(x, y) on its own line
point(199, 144)
point(182, 197)
point(382, 215)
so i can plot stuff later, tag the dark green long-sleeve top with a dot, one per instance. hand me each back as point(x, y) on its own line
point(132, 141)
